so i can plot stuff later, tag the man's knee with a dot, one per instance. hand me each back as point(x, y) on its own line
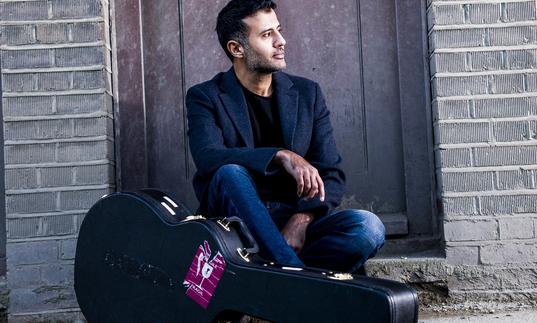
point(367, 226)
point(231, 171)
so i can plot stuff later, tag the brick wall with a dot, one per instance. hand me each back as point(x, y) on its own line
point(484, 79)
point(58, 143)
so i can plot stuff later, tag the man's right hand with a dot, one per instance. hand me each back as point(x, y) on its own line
point(309, 182)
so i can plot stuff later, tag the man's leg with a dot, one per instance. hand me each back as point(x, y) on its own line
point(232, 192)
point(343, 240)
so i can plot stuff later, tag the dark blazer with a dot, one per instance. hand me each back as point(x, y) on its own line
point(220, 133)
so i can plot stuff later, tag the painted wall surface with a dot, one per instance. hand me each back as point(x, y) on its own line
point(483, 59)
point(58, 143)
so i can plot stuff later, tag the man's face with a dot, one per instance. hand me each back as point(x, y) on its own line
point(264, 52)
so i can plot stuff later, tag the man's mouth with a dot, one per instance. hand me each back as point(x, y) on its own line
point(279, 55)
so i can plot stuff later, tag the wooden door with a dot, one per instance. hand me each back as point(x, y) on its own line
point(369, 57)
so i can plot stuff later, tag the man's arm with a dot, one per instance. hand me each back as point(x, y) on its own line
point(206, 140)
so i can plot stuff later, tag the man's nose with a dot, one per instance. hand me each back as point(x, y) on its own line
point(280, 41)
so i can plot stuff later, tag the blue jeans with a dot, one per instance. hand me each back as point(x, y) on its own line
point(341, 240)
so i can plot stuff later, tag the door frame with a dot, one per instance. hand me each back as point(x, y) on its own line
point(133, 169)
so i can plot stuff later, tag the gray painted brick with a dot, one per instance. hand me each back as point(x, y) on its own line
point(511, 130)
point(89, 80)
point(506, 253)
point(462, 255)
point(457, 157)
point(457, 38)
point(86, 103)
point(44, 298)
point(28, 106)
point(93, 127)
point(510, 204)
point(52, 33)
point(484, 13)
point(80, 200)
point(533, 129)
point(518, 35)
point(514, 179)
point(451, 133)
point(87, 32)
point(19, 82)
point(532, 82)
point(506, 83)
point(41, 129)
point(59, 225)
point(17, 35)
point(57, 274)
point(84, 151)
point(56, 176)
point(24, 276)
point(79, 56)
point(446, 15)
point(521, 11)
point(28, 10)
point(31, 203)
point(485, 61)
point(460, 85)
point(471, 230)
point(98, 174)
point(448, 62)
point(76, 8)
point(24, 228)
point(522, 59)
point(472, 278)
point(68, 249)
point(20, 178)
point(455, 109)
point(466, 181)
point(505, 107)
point(33, 153)
point(27, 58)
point(500, 156)
point(54, 81)
point(458, 206)
point(32, 253)
point(516, 228)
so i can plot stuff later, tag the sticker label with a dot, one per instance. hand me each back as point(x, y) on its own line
point(204, 274)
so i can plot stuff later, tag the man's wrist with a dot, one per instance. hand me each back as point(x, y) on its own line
point(280, 157)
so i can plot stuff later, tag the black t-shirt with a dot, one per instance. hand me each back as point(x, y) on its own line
point(266, 130)
point(264, 119)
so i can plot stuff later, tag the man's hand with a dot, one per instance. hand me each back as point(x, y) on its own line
point(309, 182)
point(294, 231)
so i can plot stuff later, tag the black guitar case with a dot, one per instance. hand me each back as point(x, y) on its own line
point(141, 258)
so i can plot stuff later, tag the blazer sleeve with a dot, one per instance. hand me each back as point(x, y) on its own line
point(207, 144)
point(323, 155)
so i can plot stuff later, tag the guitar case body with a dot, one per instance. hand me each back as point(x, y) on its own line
point(139, 258)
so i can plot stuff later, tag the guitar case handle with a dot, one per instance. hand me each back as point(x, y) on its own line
point(252, 247)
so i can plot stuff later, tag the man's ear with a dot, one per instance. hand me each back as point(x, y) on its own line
point(235, 49)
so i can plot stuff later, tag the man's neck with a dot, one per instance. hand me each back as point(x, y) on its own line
point(258, 83)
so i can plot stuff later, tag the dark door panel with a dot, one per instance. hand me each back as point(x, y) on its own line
point(374, 83)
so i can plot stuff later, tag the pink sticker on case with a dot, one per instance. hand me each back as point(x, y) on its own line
point(204, 274)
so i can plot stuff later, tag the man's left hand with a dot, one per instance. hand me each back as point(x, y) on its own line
point(294, 231)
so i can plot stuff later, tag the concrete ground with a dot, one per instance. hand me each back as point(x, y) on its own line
point(522, 316)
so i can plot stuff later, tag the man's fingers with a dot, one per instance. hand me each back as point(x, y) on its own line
point(300, 185)
point(314, 186)
point(321, 188)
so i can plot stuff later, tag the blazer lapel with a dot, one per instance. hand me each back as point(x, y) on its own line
point(287, 99)
point(235, 104)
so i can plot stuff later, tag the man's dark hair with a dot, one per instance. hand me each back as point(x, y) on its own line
point(229, 24)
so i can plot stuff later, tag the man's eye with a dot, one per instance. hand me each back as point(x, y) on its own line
point(265, 35)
